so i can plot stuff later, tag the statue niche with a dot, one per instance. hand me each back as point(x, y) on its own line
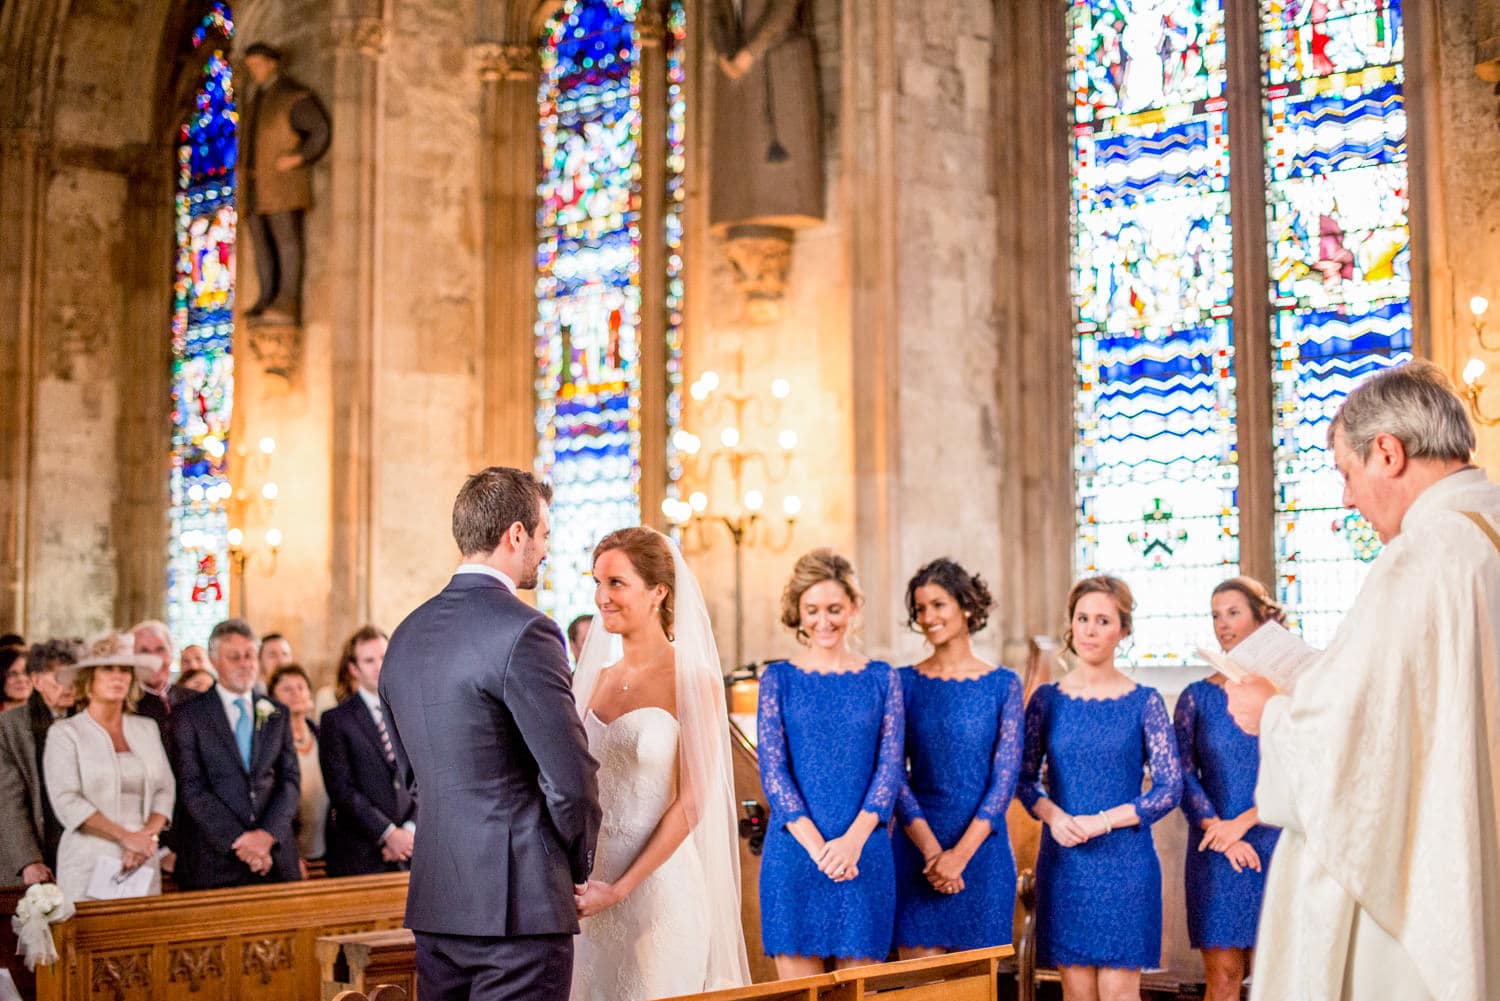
point(767, 177)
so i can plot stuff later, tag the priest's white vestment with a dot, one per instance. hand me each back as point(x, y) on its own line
point(1383, 768)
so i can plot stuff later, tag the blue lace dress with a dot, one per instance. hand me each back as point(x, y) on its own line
point(1099, 903)
point(963, 750)
point(829, 747)
point(1220, 763)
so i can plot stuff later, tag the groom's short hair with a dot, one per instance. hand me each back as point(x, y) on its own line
point(491, 501)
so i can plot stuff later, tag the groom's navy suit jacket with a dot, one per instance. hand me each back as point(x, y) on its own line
point(479, 703)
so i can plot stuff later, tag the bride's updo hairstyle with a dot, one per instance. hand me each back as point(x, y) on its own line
point(811, 569)
point(650, 554)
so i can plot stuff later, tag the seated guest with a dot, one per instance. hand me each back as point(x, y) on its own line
point(955, 870)
point(1228, 847)
point(275, 650)
point(237, 776)
point(28, 844)
point(372, 820)
point(17, 681)
point(1090, 740)
point(153, 639)
point(106, 770)
point(292, 688)
point(190, 684)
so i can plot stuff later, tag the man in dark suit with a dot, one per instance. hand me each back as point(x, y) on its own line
point(29, 830)
point(372, 814)
point(237, 776)
point(480, 707)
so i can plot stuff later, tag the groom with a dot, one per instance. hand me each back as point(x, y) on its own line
point(475, 686)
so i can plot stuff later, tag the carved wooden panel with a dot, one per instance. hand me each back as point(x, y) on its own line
point(121, 976)
point(194, 964)
point(261, 958)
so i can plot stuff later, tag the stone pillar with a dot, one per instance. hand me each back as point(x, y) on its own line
point(650, 27)
point(359, 33)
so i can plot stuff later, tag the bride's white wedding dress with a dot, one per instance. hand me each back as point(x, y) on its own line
point(653, 943)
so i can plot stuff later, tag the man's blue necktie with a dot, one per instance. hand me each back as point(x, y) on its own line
point(242, 731)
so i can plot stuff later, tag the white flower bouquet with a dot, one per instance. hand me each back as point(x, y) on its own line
point(43, 905)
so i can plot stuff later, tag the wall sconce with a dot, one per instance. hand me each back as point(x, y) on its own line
point(255, 499)
point(742, 512)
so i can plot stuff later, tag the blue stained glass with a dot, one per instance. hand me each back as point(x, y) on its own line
point(589, 309)
point(1340, 253)
point(202, 333)
point(1155, 457)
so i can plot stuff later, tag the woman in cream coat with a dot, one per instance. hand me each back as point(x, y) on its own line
point(107, 773)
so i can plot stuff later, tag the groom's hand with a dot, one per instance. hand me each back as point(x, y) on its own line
point(595, 897)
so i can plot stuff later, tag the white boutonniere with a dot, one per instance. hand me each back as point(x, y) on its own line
point(264, 710)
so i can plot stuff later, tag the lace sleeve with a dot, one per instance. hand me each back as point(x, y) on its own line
point(1029, 784)
point(1161, 754)
point(1195, 802)
point(770, 745)
point(908, 809)
point(880, 797)
point(1005, 763)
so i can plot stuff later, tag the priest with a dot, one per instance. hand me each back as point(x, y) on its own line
point(1384, 767)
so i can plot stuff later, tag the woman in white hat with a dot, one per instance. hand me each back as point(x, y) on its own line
point(107, 773)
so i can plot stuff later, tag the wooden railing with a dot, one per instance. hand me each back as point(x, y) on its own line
point(214, 945)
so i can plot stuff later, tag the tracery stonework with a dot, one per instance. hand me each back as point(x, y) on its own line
point(496, 61)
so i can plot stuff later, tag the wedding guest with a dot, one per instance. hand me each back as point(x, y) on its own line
point(275, 650)
point(237, 776)
point(12, 639)
point(1093, 735)
point(955, 872)
point(106, 769)
point(153, 638)
point(17, 681)
point(28, 844)
point(578, 631)
point(191, 684)
point(827, 880)
point(194, 658)
point(372, 822)
point(291, 686)
point(1228, 847)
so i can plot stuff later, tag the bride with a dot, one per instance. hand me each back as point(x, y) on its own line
point(661, 916)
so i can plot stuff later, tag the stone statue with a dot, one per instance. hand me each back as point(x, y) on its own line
point(767, 146)
point(285, 131)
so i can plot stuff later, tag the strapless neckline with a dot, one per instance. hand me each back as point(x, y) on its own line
point(630, 712)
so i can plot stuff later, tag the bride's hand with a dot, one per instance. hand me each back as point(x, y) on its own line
point(596, 897)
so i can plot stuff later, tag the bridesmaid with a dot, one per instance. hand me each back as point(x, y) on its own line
point(955, 872)
point(1228, 848)
point(830, 733)
point(1094, 734)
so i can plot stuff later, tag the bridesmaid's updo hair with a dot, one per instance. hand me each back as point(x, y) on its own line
point(969, 590)
point(1116, 588)
point(811, 569)
point(1263, 608)
point(650, 554)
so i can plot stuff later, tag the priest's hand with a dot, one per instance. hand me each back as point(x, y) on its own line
point(1247, 701)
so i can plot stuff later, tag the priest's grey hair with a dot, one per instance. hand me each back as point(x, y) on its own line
point(1417, 404)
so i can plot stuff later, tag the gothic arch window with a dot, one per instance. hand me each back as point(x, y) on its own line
point(1157, 350)
point(202, 331)
point(608, 334)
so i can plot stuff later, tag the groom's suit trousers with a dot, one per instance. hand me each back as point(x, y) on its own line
point(494, 968)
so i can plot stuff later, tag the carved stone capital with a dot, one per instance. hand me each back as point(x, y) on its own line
point(277, 346)
point(366, 34)
point(761, 257)
point(650, 26)
point(514, 61)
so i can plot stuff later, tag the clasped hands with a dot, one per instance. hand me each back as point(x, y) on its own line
point(945, 870)
point(136, 849)
point(397, 845)
point(1070, 831)
point(254, 849)
point(1228, 838)
point(594, 896)
point(838, 858)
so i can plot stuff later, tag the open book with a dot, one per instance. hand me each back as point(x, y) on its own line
point(1272, 651)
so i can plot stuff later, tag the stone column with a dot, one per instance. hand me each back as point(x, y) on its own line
point(650, 28)
point(359, 33)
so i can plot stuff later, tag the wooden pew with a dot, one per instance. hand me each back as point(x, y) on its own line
point(363, 960)
point(214, 945)
point(385, 992)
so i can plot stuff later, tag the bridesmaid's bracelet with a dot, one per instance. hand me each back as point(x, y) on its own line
point(1108, 827)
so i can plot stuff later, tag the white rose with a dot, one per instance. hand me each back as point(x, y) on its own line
point(49, 896)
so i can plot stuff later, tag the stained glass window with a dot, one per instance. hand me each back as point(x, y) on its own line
point(1155, 456)
point(1340, 255)
point(589, 325)
point(202, 330)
